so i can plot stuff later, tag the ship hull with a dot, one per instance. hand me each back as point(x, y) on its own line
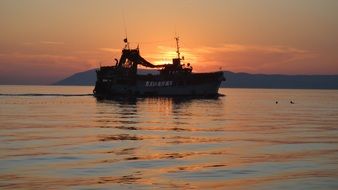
point(197, 84)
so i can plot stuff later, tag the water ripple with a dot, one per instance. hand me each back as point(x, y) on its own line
point(68, 140)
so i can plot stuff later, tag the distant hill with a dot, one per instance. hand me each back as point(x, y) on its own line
point(235, 80)
point(245, 80)
point(88, 78)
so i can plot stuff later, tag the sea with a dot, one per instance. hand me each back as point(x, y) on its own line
point(61, 137)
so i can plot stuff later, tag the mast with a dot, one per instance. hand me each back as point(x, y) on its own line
point(125, 33)
point(126, 46)
point(177, 48)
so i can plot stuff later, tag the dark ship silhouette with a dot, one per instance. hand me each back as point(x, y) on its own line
point(174, 79)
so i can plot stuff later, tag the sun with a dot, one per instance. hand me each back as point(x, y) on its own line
point(164, 55)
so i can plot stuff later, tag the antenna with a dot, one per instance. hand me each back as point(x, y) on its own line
point(125, 31)
point(178, 47)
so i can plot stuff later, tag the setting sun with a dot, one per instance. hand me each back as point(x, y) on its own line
point(44, 42)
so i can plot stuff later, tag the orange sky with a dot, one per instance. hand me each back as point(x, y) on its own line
point(44, 41)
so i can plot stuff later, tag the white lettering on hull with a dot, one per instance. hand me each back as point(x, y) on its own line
point(158, 83)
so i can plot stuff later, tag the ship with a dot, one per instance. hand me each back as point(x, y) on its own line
point(175, 79)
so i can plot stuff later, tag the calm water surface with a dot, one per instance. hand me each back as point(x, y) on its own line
point(55, 137)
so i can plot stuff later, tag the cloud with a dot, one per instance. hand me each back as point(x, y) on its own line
point(253, 58)
point(51, 43)
point(113, 50)
point(35, 67)
point(27, 43)
point(25, 68)
point(240, 57)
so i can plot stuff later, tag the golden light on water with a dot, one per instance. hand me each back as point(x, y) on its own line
point(243, 140)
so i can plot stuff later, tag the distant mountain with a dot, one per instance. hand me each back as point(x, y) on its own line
point(245, 80)
point(235, 80)
point(88, 78)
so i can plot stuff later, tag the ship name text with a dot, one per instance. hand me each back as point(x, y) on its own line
point(158, 83)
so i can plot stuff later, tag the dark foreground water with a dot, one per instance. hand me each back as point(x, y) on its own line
point(62, 138)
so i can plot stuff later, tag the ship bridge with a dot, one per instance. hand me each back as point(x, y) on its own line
point(131, 58)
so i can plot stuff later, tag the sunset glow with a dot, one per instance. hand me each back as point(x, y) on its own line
point(44, 41)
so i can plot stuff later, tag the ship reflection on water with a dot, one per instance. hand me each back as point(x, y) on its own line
point(243, 140)
point(132, 112)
